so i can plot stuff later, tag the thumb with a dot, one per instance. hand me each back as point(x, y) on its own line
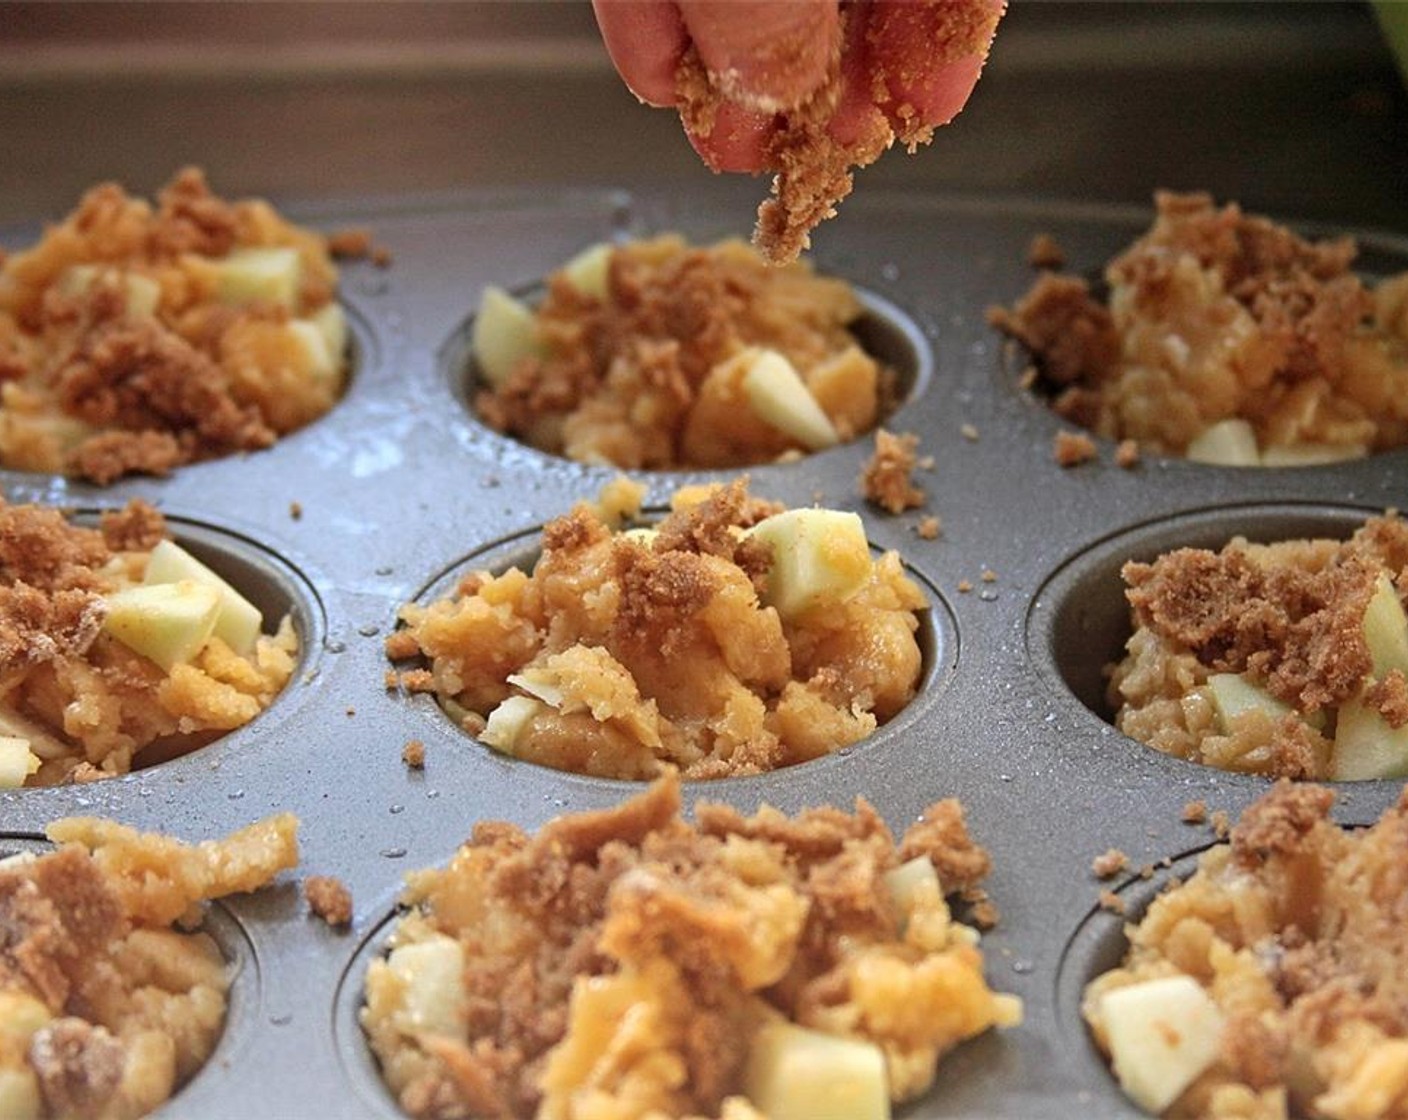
point(766, 55)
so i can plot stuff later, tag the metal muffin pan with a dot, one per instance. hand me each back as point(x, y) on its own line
point(399, 486)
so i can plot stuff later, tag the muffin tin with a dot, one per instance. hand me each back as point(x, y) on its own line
point(399, 487)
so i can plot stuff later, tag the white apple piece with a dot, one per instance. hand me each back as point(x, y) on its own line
point(40, 740)
point(1163, 1035)
point(909, 882)
point(166, 622)
point(589, 270)
point(17, 762)
point(819, 556)
point(509, 720)
point(799, 1074)
point(504, 334)
point(538, 683)
point(778, 395)
point(331, 321)
point(239, 622)
point(1311, 454)
point(1386, 629)
point(19, 1095)
point(1367, 746)
point(432, 973)
point(1232, 695)
point(1228, 443)
point(142, 293)
point(266, 275)
point(642, 536)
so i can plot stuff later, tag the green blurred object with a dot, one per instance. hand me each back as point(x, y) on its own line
point(1393, 18)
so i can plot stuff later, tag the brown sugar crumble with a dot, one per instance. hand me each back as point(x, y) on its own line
point(632, 931)
point(1110, 864)
point(1294, 932)
point(1111, 902)
point(295, 510)
point(687, 643)
point(1274, 659)
point(969, 432)
point(1226, 338)
point(111, 998)
point(657, 354)
point(886, 478)
point(928, 528)
point(1127, 454)
point(1071, 449)
point(329, 899)
point(80, 699)
point(1194, 812)
point(965, 586)
point(413, 754)
point(137, 338)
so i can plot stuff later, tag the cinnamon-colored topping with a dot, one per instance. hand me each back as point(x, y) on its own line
point(413, 754)
point(108, 1010)
point(622, 653)
point(1110, 864)
point(1215, 315)
point(1289, 617)
point(87, 704)
point(1295, 931)
point(629, 930)
point(887, 478)
point(124, 353)
point(651, 372)
point(329, 898)
point(1071, 449)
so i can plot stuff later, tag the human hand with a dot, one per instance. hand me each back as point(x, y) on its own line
point(896, 66)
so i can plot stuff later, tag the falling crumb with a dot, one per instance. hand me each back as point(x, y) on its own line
point(928, 528)
point(351, 711)
point(988, 576)
point(295, 510)
point(1221, 824)
point(1110, 864)
point(1112, 902)
point(413, 754)
point(1195, 812)
point(926, 463)
point(885, 479)
point(329, 898)
point(969, 432)
point(1127, 454)
point(1147, 871)
point(1073, 448)
point(1044, 252)
point(350, 244)
point(965, 586)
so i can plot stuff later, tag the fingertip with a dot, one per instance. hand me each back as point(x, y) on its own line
point(738, 140)
point(769, 55)
point(930, 55)
point(645, 39)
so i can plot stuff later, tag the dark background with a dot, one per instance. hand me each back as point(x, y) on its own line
point(1292, 108)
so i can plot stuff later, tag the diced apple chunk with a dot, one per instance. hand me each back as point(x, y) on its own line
point(538, 683)
point(1232, 695)
point(1311, 454)
point(20, 1016)
point(509, 720)
point(142, 293)
point(588, 271)
point(504, 334)
point(331, 321)
point(910, 882)
point(799, 1074)
point(265, 275)
point(820, 556)
point(1366, 746)
point(1228, 443)
point(1163, 1034)
point(167, 622)
point(1386, 629)
point(779, 397)
point(432, 973)
point(17, 762)
point(239, 622)
point(20, 1098)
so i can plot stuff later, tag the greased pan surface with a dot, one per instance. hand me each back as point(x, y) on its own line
point(400, 486)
